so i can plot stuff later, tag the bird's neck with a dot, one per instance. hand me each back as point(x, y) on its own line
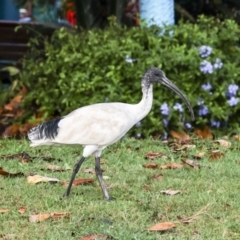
point(145, 105)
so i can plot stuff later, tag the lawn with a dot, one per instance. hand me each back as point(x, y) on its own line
point(207, 206)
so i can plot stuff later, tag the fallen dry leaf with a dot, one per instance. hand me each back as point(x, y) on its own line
point(159, 176)
point(44, 216)
point(191, 163)
point(37, 179)
point(185, 147)
point(170, 192)
point(204, 133)
point(22, 157)
point(215, 154)
point(55, 168)
point(170, 166)
point(39, 217)
point(4, 210)
point(199, 155)
point(180, 136)
point(223, 143)
point(77, 182)
point(89, 170)
point(150, 165)
point(237, 137)
point(162, 226)
point(187, 220)
point(152, 155)
point(96, 237)
point(22, 210)
point(7, 174)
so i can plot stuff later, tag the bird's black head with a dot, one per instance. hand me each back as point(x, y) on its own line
point(154, 74)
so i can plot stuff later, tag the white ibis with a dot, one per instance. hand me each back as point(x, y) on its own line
point(99, 125)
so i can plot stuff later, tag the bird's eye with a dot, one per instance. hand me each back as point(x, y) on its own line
point(157, 74)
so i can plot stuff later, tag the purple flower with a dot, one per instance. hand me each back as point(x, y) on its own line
point(165, 122)
point(129, 59)
point(215, 124)
point(164, 136)
point(164, 109)
point(138, 124)
point(207, 86)
point(206, 67)
point(232, 90)
point(205, 51)
point(139, 135)
point(188, 125)
point(200, 101)
point(233, 101)
point(178, 107)
point(203, 110)
point(218, 64)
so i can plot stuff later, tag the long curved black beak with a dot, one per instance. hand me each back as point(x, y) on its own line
point(165, 81)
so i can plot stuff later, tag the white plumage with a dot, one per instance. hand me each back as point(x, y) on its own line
point(96, 126)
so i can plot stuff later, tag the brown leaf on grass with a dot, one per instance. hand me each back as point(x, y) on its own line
point(89, 170)
point(4, 210)
point(215, 154)
point(170, 192)
point(152, 155)
point(37, 179)
point(162, 226)
point(223, 143)
point(96, 237)
point(22, 157)
point(150, 165)
point(204, 133)
point(186, 220)
point(7, 174)
point(159, 176)
point(191, 163)
point(237, 137)
point(22, 210)
point(81, 181)
point(170, 166)
point(185, 147)
point(55, 168)
point(57, 215)
point(179, 135)
point(44, 216)
point(199, 155)
point(14, 103)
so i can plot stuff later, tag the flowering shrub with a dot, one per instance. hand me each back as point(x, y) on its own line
point(202, 59)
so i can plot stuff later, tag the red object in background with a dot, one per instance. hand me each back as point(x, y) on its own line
point(71, 14)
point(132, 11)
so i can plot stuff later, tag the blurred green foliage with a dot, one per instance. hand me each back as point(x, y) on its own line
point(77, 69)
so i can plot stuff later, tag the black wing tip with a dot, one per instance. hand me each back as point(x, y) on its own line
point(47, 130)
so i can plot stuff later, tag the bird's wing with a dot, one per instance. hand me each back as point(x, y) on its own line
point(100, 124)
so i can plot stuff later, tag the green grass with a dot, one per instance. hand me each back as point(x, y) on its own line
point(214, 190)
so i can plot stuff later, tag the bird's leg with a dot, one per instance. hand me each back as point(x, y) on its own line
point(98, 171)
point(75, 171)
